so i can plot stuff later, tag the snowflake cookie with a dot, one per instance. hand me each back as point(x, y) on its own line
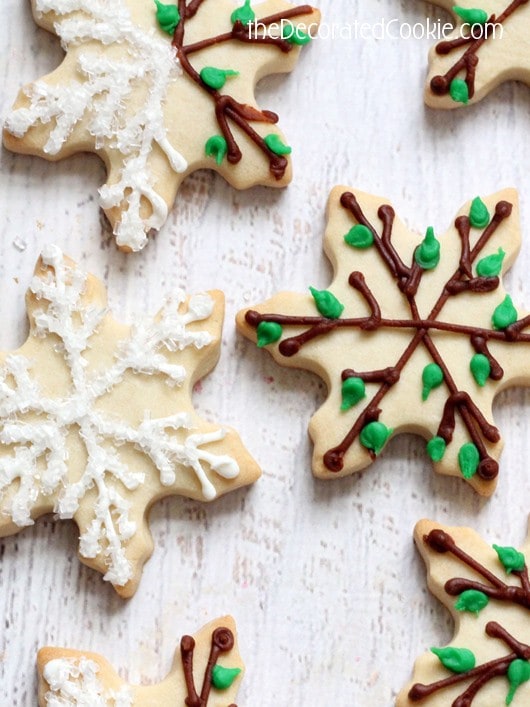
point(130, 68)
point(96, 418)
point(413, 335)
point(487, 591)
point(488, 46)
point(207, 671)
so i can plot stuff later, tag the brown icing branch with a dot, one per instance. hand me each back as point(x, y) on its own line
point(480, 676)
point(222, 642)
point(468, 62)
point(440, 541)
point(227, 109)
point(408, 279)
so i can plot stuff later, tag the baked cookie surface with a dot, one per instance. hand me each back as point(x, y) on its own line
point(487, 591)
point(207, 672)
point(412, 335)
point(159, 90)
point(97, 421)
point(488, 46)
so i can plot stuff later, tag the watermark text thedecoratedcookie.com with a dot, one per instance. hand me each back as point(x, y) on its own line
point(382, 29)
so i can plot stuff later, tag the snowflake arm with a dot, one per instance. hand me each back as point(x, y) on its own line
point(125, 91)
point(96, 419)
point(479, 54)
point(89, 680)
point(393, 339)
point(487, 591)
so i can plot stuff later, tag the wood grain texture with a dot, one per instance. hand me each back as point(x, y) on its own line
point(322, 577)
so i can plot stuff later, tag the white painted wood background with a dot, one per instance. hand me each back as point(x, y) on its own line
point(322, 577)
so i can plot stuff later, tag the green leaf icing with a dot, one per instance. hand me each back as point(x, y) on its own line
point(359, 237)
point(268, 333)
point(474, 16)
point(432, 377)
point(216, 78)
point(294, 35)
point(457, 660)
point(518, 672)
point(479, 216)
point(511, 559)
point(436, 448)
point(353, 390)
point(505, 314)
point(167, 16)
point(275, 144)
point(491, 265)
point(472, 600)
point(327, 304)
point(427, 254)
point(216, 147)
point(468, 460)
point(480, 369)
point(244, 14)
point(222, 678)
point(459, 91)
point(374, 436)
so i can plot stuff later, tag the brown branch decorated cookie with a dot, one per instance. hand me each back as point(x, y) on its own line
point(207, 672)
point(487, 590)
point(413, 335)
point(158, 90)
point(488, 46)
point(97, 421)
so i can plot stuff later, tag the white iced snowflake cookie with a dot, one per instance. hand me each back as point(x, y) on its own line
point(97, 422)
point(207, 672)
point(487, 47)
point(414, 334)
point(158, 90)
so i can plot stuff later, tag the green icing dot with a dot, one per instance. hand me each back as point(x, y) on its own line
point(436, 448)
point(491, 265)
point(374, 436)
point(216, 147)
point(294, 35)
point(268, 333)
point(480, 368)
point(518, 673)
point(244, 14)
point(167, 16)
point(359, 237)
point(427, 254)
point(472, 600)
point(275, 144)
point(459, 91)
point(457, 660)
point(432, 377)
point(327, 304)
point(504, 314)
point(479, 216)
point(216, 78)
point(511, 559)
point(222, 678)
point(468, 460)
point(353, 390)
point(474, 16)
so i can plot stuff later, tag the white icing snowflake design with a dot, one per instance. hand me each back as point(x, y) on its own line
point(137, 97)
point(104, 97)
point(86, 440)
point(75, 683)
